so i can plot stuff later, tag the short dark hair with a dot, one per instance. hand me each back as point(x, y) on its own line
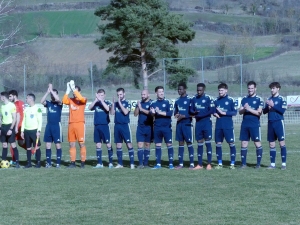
point(121, 89)
point(223, 85)
point(78, 88)
point(5, 94)
point(275, 84)
point(55, 91)
point(101, 91)
point(13, 92)
point(159, 87)
point(32, 95)
point(201, 85)
point(182, 84)
point(251, 83)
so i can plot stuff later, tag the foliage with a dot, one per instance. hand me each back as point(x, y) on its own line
point(178, 74)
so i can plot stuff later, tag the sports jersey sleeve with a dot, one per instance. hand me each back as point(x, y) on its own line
point(261, 103)
point(66, 100)
point(169, 111)
point(175, 108)
point(280, 107)
point(23, 122)
point(39, 119)
point(233, 110)
point(80, 97)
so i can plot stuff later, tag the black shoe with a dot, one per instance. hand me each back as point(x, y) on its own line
point(28, 166)
point(38, 165)
point(17, 166)
point(72, 166)
point(82, 165)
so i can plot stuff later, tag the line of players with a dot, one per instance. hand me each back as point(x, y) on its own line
point(154, 122)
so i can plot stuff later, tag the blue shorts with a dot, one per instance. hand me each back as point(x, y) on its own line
point(250, 132)
point(276, 131)
point(122, 132)
point(184, 132)
point(203, 131)
point(144, 134)
point(163, 132)
point(228, 134)
point(53, 133)
point(102, 133)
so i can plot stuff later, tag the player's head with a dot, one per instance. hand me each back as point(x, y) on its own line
point(52, 97)
point(275, 87)
point(101, 93)
point(121, 93)
point(30, 98)
point(182, 89)
point(251, 85)
point(201, 89)
point(4, 96)
point(13, 95)
point(145, 95)
point(77, 88)
point(159, 90)
point(223, 88)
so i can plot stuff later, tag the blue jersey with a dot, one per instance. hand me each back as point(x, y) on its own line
point(120, 117)
point(276, 112)
point(101, 116)
point(144, 119)
point(229, 106)
point(53, 111)
point(182, 106)
point(202, 107)
point(249, 119)
point(164, 106)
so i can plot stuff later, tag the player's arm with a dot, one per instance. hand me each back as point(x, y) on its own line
point(55, 96)
point(242, 109)
point(280, 108)
point(253, 111)
point(79, 96)
point(169, 112)
point(43, 100)
point(266, 109)
point(105, 106)
point(14, 117)
point(39, 120)
point(66, 100)
point(123, 109)
point(137, 109)
point(91, 106)
point(112, 109)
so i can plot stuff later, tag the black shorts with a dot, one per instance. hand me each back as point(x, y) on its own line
point(30, 138)
point(4, 137)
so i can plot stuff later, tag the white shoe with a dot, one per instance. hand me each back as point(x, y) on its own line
point(132, 166)
point(119, 166)
point(110, 166)
point(98, 166)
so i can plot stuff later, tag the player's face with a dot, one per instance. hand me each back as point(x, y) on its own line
point(181, 90)
point(145, 95)
point(52, 97)
point(251, 90)
point(274, 91)
point(2, 98)
point(160, 93)
point(200, 91)
point(11, 98)
point(222, 92)
point(29, 99)
point(121, 95)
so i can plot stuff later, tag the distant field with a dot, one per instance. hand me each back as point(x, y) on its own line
point(34, 2)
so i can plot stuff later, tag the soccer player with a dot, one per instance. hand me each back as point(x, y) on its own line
point(251, 109)
point(226, 107)
point(275, 107)
point(76, 129)
point(101, 127)
point(53, 130)
point(13, 97)
point(122, 131)
point(184, 126)
point(7, 127)
point(144, 131)
point(202, 106)
point(160, 109)
point(31, 129)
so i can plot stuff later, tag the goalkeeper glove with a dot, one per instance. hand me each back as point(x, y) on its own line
point(68, 89)
point(72, 85)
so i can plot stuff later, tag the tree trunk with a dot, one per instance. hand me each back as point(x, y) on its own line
point(144, 69)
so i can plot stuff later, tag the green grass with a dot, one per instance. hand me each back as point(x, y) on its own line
point(90, 196)
point(34, 2)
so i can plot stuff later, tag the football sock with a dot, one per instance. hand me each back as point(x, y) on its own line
point(28, 152)
point(272, 156)
point(180, 154)
point(48, 156)
point(4, 153)
point(283, 154)
point(191, 153)
point(158, 155)
point(208, 151)
point(244, 155)
point(219, 153)
point(232, 153)
point(99, 155)
point(146, 156)
point(131, 156)
point(200, 153)
point(58, 156)
point(72, 154)
point(171, 154)
point(259, 152)
point(82, 153)
point(140, 154)
point(120, 156)
point(110, 154)
point(12, 154)
point(38, 156)
point(16, 154)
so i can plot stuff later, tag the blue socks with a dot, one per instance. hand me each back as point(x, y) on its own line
point(259, 152)
point(272, 156)
point(140, 154)
point(244, 155)
point(110, 154)
point(99, 155)
point(120, 156)
point(170, 154)
point(208, 151)
point(191, 153)
point(146, 156)
point(283, 154)
point(232, 153)
point(158, 155)
point(200, 153)
point(180, 154)
point(131, 156)
point(48, 156)
point(219, 153)
point(58, 156)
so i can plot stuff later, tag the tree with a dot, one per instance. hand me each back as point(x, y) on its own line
point(139, 32)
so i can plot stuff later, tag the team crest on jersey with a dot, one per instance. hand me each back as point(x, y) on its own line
point(6, 113)
point(226, 103)
point(123, 105)
point(203, 101)
point(276, 103)
point(164, 105)
point(254, 102)
point(147, 106)
point(31, 116)
point(185, 102)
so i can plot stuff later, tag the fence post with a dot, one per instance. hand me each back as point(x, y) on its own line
point(92, 80)
point(164, 73)
point(24, 72)
point(202, 61)
point(241, 63)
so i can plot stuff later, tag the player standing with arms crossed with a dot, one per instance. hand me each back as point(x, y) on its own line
point(202, 106)
point(76, 130)
point(53, 130)
point(275, 107)
point(144, 131)
point(101, 127)
point(160, 109)
point(122, 131)
point(184, 127)
point(251, 109)
point(226, 107)
point(7, 127)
